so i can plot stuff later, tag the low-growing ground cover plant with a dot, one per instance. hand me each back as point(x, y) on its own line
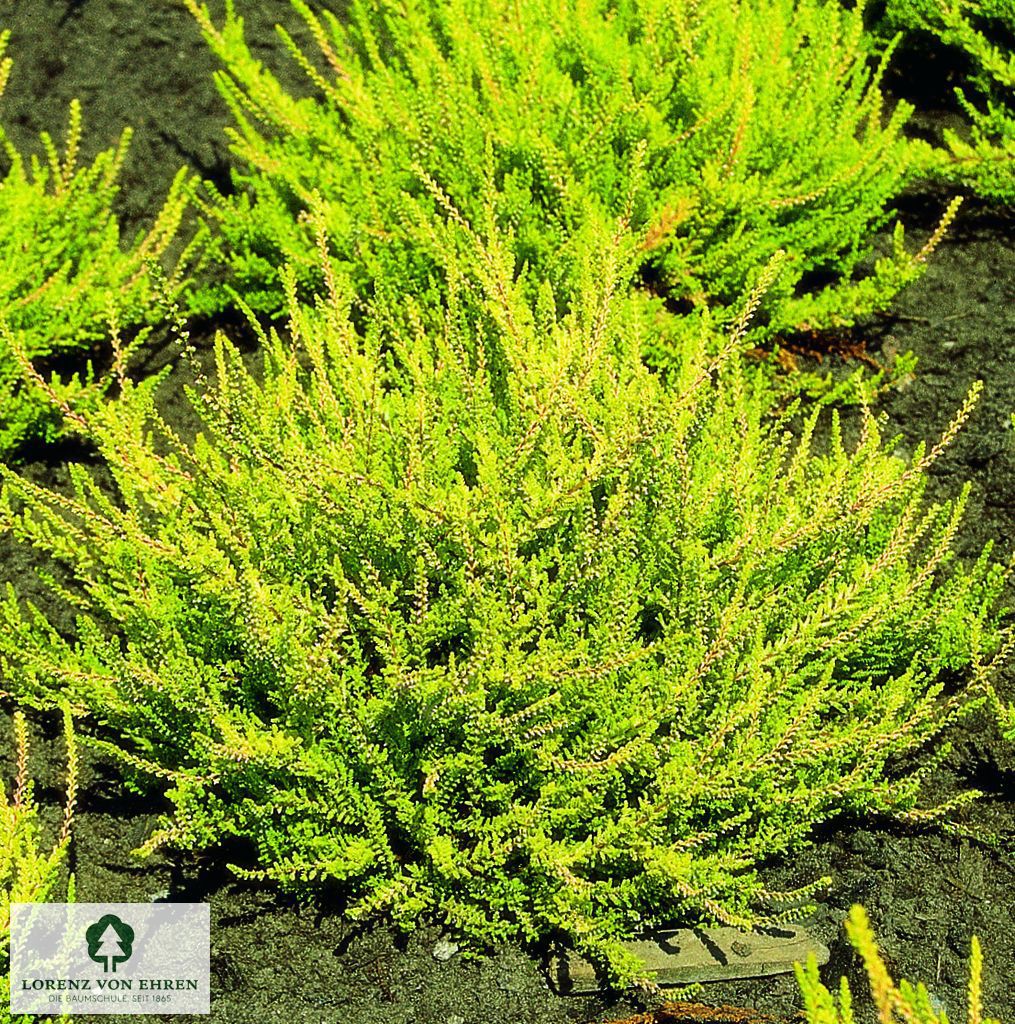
point(66, 279)
point(492, 623)
point(28, 871)
point(740, 128)
point(983, 33)
point(893, 1001)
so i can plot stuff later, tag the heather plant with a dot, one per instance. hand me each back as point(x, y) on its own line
point(893, 1001)
point(485, 621)
point(65, 278)
point(982, 157)
point(758, 126)
point(28, 871)
point(1005, 715)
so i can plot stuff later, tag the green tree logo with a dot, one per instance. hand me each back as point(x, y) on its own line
point(110, 942)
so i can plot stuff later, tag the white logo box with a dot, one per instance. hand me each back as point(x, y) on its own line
point(115, 958)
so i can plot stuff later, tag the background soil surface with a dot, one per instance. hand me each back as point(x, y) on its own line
point(145, 64)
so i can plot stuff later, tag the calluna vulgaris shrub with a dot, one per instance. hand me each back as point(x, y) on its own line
point(491, 622)
point(893, 1002)
point(65, 278)
point(982, 157)
point(758, 126)
point(28, 871)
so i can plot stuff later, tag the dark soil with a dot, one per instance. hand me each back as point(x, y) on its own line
point(145, 64)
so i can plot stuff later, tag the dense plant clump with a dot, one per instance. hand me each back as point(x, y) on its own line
point(893, 1001)
point(65, 279)
point(29, 872)
point(740, 128)
point(510, 592)
point(983, 32)
point(493, 623)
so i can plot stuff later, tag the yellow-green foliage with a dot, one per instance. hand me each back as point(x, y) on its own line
point(896, 1003)
point(488, 621)
point(740, 128)
point(65, 277)
point(29, 871)
point(982, 157)
point(1005, 715)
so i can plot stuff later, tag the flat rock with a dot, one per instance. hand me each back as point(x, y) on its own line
point(688, 955)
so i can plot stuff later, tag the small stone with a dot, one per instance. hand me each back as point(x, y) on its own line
point(456, 1018)
point(444, 950)
point(690, 955)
